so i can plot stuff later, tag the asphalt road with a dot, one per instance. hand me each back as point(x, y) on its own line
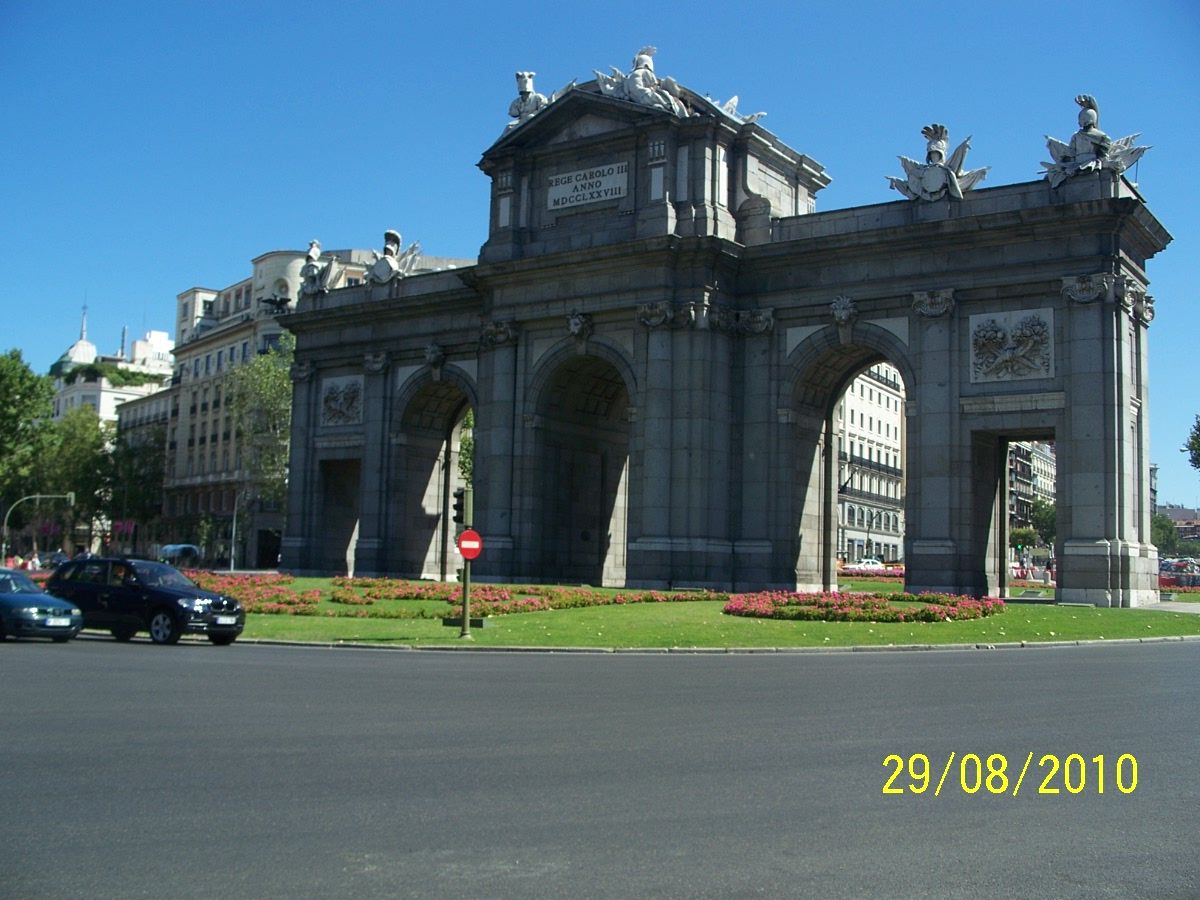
point(248, 771)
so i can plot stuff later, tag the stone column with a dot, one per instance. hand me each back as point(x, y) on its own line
point(1145, 582)
point(299, 544)
point(495, 434)
point(752, 497)
point(935, 514)
point(371, 551)
point(649, 557)
point(1103, 559)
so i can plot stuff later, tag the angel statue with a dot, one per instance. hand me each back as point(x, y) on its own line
point(643, 86)
point(938, 178)
point(393, 263)
point(1090, 149)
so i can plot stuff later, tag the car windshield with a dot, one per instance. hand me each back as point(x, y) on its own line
point(160, 575)
point(16, 583)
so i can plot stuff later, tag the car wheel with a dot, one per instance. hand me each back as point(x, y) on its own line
point(222, 640)
point(124, 633)
point(163, 628)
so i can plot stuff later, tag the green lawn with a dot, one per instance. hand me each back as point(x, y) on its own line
point(702, 624)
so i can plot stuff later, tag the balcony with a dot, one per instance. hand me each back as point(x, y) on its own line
point(870, 465)
point(890, 382)
point(892, 503)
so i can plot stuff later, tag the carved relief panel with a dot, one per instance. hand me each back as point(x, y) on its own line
point(1012, 346)
point(341, 400)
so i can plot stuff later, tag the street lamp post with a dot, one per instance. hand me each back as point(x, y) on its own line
point(233, 530)
point(69, 497)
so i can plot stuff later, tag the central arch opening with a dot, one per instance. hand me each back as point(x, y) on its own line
point(583, 473)
point(850, 502)
point(869, 428)
point(431, 466)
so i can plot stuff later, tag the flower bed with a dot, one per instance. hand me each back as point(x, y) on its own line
point(539, 599)
point(894, 574)
point(259, 593)
point(848, 607)
point(1169, 584)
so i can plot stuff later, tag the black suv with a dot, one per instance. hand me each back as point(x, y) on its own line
point(126, 596)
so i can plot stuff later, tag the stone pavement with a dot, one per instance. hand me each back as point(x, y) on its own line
point(1174, 606)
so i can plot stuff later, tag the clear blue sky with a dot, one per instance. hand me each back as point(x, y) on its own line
point(149, 147)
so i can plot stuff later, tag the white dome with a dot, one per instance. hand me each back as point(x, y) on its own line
point(81, 353)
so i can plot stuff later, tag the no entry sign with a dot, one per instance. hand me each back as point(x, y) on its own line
point(470, 544)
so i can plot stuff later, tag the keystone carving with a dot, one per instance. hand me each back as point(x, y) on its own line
point(302, 371)
point(844, 310)
point(933, 303)
point(580, 325)
point(1088, 288)
point(435, 355)
point(653, 315)
point(375, 361)
point(495, 334)
point(755, 321)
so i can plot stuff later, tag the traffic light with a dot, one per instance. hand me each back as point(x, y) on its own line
point(460, 506)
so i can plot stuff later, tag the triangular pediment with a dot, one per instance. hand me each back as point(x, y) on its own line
point(578, 115)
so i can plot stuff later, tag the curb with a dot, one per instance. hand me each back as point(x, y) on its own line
point(711, 651)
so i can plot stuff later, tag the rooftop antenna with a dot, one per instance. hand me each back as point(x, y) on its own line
point(83, 324)
point(124, 335)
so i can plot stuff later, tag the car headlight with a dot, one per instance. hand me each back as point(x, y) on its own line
point(76, 612)
point(28, 612)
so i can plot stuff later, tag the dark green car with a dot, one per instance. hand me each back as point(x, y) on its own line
point(125, 596)
point(28, 611)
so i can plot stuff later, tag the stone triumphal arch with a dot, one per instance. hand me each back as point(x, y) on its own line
point(656, 332)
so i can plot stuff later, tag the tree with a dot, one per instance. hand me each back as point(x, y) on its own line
point(259, 393)
point(1192, 447)
point(1022, 537)
point(74, 456)
point(1045, 521)
point(137, 468)
point(466, 448)
point(1164, 534)
point(25, 407)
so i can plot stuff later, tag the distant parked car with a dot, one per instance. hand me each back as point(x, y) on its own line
point(125, 596)
point(28, 611)
point(869, 564)
point(180, 554)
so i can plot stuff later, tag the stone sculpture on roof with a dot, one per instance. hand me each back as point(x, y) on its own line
point(1090, 149)
point(318, 278)
point(528, 103)
point(394, 263)
point(643, 86)
point(937, 178)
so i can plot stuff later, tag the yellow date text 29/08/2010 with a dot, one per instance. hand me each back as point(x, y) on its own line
point(973, 773)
